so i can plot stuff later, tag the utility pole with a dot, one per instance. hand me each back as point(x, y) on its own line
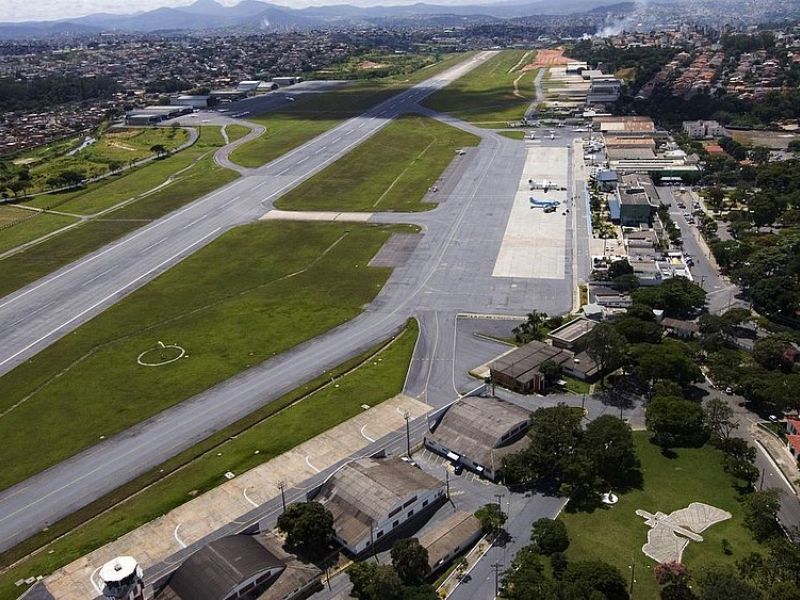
point(496, 566)
point(281, 487)
point(406, 416)
point(633, 574)
point(583, 403)
point(327, 577)
point(447, 483)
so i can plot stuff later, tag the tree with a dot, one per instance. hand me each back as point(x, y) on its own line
point(675, 422)
point(715, 197)
point(637, 331)
point(775, 295)
point(761, 514)
point(159, 150)
point(597, 576)
point(718, 417)
point(410, 560)
point(308, 526)
point(618, 268)
point(677, 297)
point(526, 578)
point(549, 536)
point(723, 583)
point(770, 353)
point(671, 360)
point(606, 347)
point(554, 434)
point(551, 371)
point(625, 283)
point(492, 518)
point(609, 443)
point(531, 329)
point(361, 575)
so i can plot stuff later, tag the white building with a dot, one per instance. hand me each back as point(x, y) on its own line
point(371, 498)
point(700, 130)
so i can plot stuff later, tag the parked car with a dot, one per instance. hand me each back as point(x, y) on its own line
point(458, 469)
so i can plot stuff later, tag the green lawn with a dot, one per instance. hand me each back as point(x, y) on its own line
point(392, 170)
point(315, 114)
point(375, 380)
point(514, 135)
point(254, 293)
point(107, 193)
point(37, 261)
point(114, 145)
point(485, 96)
point(33, 226)
point(616, 534)
point(236, 132)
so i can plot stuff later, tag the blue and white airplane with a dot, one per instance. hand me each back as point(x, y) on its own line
point(535, 203)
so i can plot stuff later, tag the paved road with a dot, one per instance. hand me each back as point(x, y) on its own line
point(449, 272)
point(721, 293)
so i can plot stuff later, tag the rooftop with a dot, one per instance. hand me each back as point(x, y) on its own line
point(218, 568)
point(454, 532)
point(365, 491)
point(573, 331)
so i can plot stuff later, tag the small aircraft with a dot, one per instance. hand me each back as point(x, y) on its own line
point(545, 185)
point(546, 204)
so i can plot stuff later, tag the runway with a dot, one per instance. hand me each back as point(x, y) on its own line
point(449, 271)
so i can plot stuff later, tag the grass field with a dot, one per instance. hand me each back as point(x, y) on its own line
point(236, 132)
point(254, 293)
point(41, 259)
point(317, 113)
point(114, 145)
point(371, 383)
point(513, 135)
point(616, 534)
point(392, 170)
point(18, 226)
point(105, 194)
point(485, 96)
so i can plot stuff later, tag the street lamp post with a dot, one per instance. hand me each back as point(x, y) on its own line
point(406, 416)
point(281, 487)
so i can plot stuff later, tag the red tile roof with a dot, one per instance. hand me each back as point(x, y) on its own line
point(794, 442)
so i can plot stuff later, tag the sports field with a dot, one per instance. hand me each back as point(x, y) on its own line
point(254, 293)
point(315, 114)
point(372, 382)
point(390, 171)
point(616, 534)
point(496, 92)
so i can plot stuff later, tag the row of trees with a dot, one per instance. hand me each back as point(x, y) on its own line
point(46, 92)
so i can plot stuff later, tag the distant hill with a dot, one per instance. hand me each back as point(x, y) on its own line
point(253, 14)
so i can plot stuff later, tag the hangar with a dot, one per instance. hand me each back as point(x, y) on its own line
point(370, 498)
point(477, 432)
point(241, 566)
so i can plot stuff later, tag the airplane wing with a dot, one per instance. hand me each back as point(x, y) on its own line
point(663, 545)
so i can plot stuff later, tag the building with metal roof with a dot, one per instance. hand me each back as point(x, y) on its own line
point(370, 498)
point(227, 568)
point(571, 335)
point(450, 537)
point(477, 432)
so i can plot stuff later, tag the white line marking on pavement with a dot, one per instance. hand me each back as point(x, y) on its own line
point(246, 497)
point(365, 435)
point(175, 535)
point(308, 462)
point(108, 297)
point(195, 222)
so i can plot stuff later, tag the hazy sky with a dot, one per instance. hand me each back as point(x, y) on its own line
point(45, 10)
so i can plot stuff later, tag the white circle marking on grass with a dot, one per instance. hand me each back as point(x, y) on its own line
point(160, 347)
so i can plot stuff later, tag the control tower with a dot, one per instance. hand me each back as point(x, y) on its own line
point(122, 579)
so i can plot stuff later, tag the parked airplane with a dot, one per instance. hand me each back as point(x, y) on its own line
point(545, 185)
point(546, 204)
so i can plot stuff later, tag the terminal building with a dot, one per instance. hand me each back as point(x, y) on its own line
point(519, 370)
point(372, 498)
point(478, 432)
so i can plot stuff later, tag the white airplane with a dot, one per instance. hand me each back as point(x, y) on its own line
point(545, 185)
point(536, 203)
